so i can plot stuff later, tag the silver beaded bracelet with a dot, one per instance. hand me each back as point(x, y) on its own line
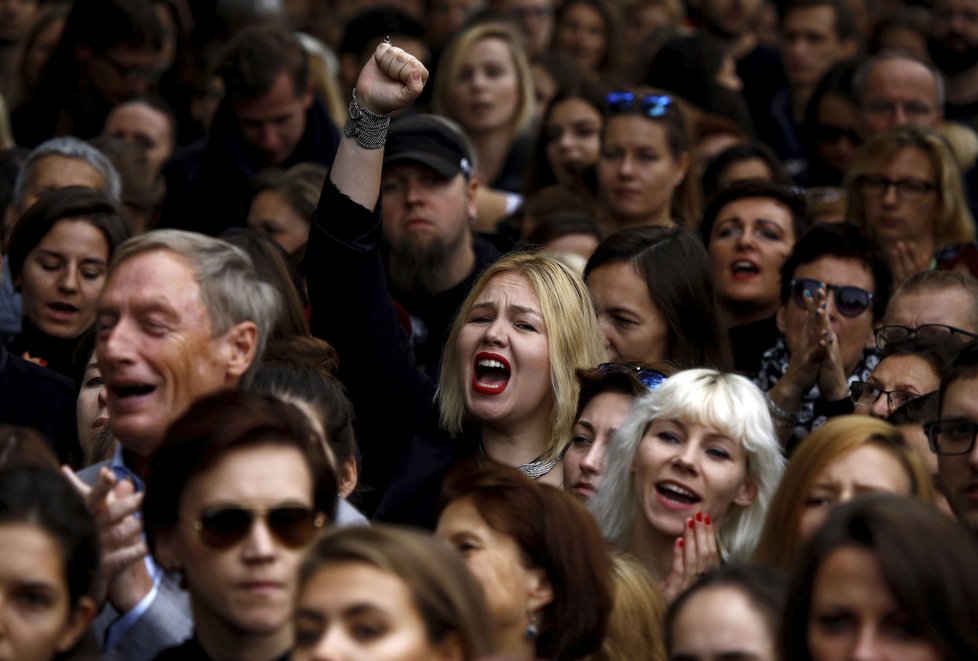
point(365, 126)
point(778, 413)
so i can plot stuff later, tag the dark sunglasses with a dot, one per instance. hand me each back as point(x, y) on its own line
point(849, 301)
point(293, 526)
point(653, 105)
point(832, 134)
point(649, 378)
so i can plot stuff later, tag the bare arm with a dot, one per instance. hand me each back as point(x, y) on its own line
point(390, 80)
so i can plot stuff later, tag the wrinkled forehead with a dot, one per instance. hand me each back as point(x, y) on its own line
point(900, 79)
point(951, 306)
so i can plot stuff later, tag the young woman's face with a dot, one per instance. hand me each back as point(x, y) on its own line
point(855, 615)
point(894, 215)
point(504, 360)
point(496, 561)
point(90, 408)
point(573, 133)
point(581, 33)
point(353, 610)
point(249, 584)
point(486, 94)
point(682, 468)
point(633, 328)
point(584, 460)
point(37, 618)
point(721, 622)
point(846, 478)
point(637, 173)
point(271, 214)
point(62, 278)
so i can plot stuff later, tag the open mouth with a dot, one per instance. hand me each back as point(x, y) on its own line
point(744, 269)
point(674, 493)
point(128, 390)
point(491, 374)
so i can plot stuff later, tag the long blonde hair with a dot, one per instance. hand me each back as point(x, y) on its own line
point(573, 341)
point(452, 60)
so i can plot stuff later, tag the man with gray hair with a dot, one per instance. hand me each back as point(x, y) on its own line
point(181, 316)
point(894, 89)
point(57, 163)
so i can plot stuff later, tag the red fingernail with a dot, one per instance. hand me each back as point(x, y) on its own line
point(699, 516)
point(708, 521)
point(691, 524)
point(679, 542)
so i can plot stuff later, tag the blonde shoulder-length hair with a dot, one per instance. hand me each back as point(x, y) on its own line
point(573, 341)
point(450, 68)
point(954, 223)
point(780, 540)
point(729, 403)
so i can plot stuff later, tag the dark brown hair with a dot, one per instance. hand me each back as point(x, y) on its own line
point(929, 563)
point(213, 428)
point(555, 533)
point(677, 273)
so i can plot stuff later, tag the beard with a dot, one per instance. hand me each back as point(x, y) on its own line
point(953, 54)
point(415, 265)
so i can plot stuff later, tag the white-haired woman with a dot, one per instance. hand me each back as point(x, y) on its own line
point(690, 476)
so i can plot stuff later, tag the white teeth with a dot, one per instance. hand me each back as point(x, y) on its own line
point(496, 364)
point(678, 490)
point(741, 266)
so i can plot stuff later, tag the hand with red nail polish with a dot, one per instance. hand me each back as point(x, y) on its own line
point(694, 554)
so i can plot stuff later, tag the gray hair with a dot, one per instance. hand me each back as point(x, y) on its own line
point(229, 283)
point(728, 402)
point(68, 147)
point(862, 73)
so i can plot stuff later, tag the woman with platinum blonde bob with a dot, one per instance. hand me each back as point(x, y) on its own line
point(690, 476)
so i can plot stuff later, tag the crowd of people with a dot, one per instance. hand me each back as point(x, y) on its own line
point(488, 329)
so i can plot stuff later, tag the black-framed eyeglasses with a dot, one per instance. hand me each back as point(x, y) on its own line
point(867, 394)
point(951, 437)
point(907, 189)
point(648, 377)
point(652, 105)
point(896, 333)
point(292, 525)
point(850, 301)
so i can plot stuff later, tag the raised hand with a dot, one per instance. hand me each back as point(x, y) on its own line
point(122, 576)
point(391, 80)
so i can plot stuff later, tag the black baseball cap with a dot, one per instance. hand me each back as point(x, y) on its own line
point(430, 140)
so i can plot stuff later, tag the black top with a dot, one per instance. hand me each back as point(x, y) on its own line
point(34, 396)
point(191, 650)
point(432, 314)
point(35, 345)
point(405, 453)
